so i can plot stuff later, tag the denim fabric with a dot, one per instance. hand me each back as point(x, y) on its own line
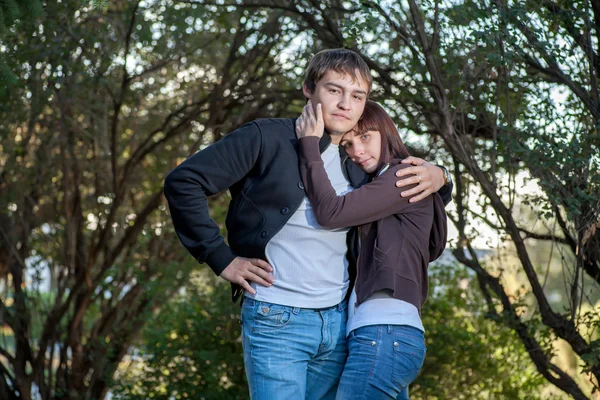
point(382, 361)
point(293, 353)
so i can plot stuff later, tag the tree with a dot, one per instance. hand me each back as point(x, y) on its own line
point(107, 101)
point(11, 11)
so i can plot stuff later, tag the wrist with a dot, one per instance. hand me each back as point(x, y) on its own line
point(447, 178)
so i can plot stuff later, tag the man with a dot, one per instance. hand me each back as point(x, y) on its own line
point(295, 274)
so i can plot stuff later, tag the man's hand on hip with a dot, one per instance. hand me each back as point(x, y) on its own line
point(241, 270)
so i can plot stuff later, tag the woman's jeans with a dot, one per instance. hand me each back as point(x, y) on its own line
point(382, 361)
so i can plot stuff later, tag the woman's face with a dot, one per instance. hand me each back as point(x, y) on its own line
point(363, 148)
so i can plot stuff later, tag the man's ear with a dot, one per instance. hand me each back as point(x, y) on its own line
point(307, 93)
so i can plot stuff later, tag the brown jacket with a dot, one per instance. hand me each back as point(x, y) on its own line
point(398, 239)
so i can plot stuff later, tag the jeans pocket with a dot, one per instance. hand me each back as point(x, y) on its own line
point(267, 316)
point(409, 355)
point(366, 335)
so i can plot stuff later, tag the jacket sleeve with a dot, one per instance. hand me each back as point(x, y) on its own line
point(371, 202)
point(206, 173)
point(445, 193)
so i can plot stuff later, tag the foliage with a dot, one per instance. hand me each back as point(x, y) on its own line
point(192, 350)
point(12, 13)
point(195, 350)
point(14, 10)
point(107, 101)
point(468, 355)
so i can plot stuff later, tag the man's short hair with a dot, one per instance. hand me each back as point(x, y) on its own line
point(342, 61)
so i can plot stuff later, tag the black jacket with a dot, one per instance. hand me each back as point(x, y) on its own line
point(258, 163)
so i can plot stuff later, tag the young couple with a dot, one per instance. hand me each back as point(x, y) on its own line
point(297, 186)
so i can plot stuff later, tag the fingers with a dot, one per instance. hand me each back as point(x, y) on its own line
point(411, 180)
point(262, 264)
point(319, 114)
point(413, 160)
point(309, 113)
point(419, 192)
point(307, 116)
point(305, 113)
point(259, 272)
point(304, 116)
point(416, 190)
point(252, 276)
point(242, 270)
point(411, 171)
point(310, 122)
point(260, 276)
point(246, 286)
point(421, 196)
point(257, 275)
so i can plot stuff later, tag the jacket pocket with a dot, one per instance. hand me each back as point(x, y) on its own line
point(389, 242)
point(378, 256)
point(244, 220)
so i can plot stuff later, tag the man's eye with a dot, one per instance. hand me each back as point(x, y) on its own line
point(359, 98)
point(333, 91)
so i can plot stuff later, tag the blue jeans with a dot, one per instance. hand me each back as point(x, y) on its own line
point(293, 353)
point(382, 361)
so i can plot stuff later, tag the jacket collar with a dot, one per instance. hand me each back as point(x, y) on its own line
point(323, 143)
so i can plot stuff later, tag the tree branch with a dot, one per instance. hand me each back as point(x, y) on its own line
point(402, 33)
point(553, 66)
point(563, 327)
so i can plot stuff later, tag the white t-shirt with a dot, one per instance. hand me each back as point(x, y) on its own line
point(309, 262)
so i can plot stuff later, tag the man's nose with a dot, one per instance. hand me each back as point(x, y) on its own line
point(344, 102)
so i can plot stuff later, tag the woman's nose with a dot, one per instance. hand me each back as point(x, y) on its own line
point(358, 148)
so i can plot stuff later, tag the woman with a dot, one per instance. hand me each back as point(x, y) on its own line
point(398, 239)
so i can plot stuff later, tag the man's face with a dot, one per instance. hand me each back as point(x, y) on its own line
point(342, 100)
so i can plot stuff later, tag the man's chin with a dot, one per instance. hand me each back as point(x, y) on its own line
point(338, 129)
